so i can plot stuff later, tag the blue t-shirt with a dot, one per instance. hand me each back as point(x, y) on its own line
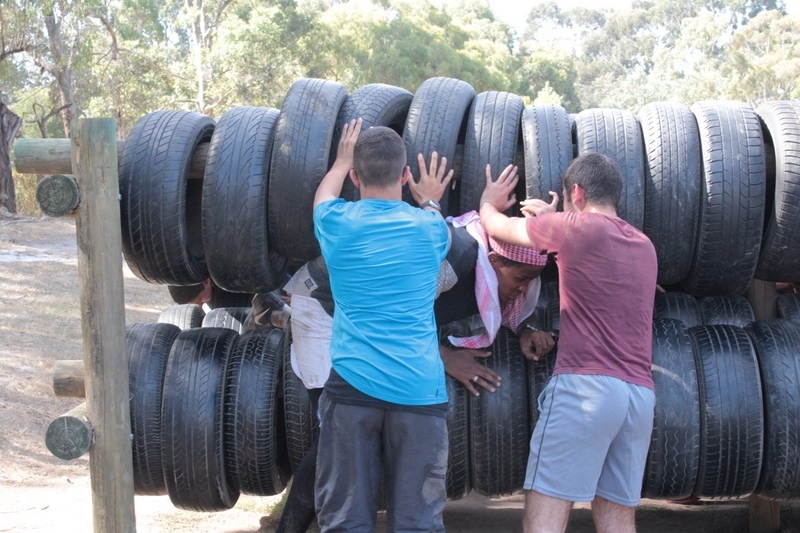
point(383, 258)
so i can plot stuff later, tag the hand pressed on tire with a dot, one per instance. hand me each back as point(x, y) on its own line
point(433, 181)
point(461, 364)
point(535, 344)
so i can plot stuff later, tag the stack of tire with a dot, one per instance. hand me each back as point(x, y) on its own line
point(715, 186)
point(206, 414)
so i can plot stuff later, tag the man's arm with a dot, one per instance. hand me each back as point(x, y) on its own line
point(331, 185)
point(497, 197)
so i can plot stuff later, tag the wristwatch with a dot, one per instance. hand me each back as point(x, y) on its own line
point(532, 327)
point(431, 203)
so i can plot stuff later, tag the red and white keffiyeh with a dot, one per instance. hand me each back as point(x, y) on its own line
point(492, 315)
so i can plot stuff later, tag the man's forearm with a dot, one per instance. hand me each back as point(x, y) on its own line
point(331, 185)
point(503, 228)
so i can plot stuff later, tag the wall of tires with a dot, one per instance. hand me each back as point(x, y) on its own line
point(716, 187)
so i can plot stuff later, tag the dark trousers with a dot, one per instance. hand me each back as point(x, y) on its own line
point(360, 445)
point(299, 512)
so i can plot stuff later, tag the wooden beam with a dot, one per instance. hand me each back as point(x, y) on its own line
point(53, 156)
point(95, 165)
point(68, 379)
point(70, 435)
point(765, 515)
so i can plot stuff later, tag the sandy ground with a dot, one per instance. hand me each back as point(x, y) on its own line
point(40, 323)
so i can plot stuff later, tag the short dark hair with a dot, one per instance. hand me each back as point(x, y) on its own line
point(599, 177)
point(184, 294)
point(379, 156)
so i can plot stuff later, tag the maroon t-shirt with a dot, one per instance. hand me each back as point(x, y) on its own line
point(607, 278)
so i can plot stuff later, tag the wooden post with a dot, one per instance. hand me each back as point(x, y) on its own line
point(95, 165)
point(53, 156)
point(765, 515)
point(68, 379)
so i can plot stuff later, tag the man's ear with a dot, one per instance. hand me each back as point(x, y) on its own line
point(494, 258)
point(578, 196)
point(354, 178)
point(406, 175)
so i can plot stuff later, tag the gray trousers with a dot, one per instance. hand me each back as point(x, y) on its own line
point(358, 446)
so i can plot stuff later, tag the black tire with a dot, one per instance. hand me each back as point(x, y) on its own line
point(789, 307)
point(732, 204)
point(160, 207)
point(539, 374)
point(618, 135)
point(185, 316)
point(255, 437)
point(726, 310)
point(547, 133)
point(554, 315)
point(436, 120)
point(235, 199)
point(673, 183)
point(573, 130)
point(548, 292)
point(227, 317)
point(458, 481)
point(301, 422)
point(148, 348)
point(223, 298)
point(678, 305)
point(378, 105)
point(300, 159)
point(192, 421)
point(492, 137)
point(674, 455)
point(731, 412)
point(777, 344)
point(498, 426)
point(762, 296)
point(780, 249)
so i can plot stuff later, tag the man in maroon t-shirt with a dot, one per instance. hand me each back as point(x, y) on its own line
point(596, 413)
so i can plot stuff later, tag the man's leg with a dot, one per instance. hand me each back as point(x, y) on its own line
point(544, 514)
point(415, 468)
point(348, 467)
point(299, 511)
point(610, 517)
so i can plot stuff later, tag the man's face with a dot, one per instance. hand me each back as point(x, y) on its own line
point(512, 280)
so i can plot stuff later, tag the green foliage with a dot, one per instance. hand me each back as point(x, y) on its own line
point(126, 58)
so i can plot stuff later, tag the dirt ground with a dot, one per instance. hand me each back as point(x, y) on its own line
point(40, 323)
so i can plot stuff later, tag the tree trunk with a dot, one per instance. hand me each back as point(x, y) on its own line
point(9, 126)
point(61, 70)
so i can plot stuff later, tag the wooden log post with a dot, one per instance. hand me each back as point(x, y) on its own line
point(765, 515)
point(95, 165)
point(70, 435)
point(68, 379)
point(52, 156)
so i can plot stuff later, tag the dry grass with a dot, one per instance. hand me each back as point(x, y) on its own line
point(40, 322)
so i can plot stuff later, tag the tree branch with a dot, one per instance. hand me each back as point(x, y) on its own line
point(111, 32)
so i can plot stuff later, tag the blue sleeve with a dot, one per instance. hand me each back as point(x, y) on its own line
point(444, 235)
point(325, 217)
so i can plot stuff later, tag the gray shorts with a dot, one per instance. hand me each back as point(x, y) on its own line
point(591, 439)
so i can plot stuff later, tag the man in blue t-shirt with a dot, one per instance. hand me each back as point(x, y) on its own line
point(384, 405)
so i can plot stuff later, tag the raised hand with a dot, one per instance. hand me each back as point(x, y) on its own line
point(500, 193)
point(534, 206)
